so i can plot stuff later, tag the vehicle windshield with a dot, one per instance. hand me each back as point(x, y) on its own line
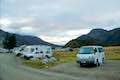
point(86, 50)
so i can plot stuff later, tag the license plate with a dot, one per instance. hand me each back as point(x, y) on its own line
point(83, 61)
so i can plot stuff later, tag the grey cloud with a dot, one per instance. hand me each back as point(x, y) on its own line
point(56, 17)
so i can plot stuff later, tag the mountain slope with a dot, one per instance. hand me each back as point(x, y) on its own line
point(97, 37)
point(27, 40)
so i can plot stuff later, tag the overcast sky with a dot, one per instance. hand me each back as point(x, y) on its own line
point(58, 21)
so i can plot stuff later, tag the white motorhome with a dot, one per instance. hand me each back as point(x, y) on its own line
point(90, 54)
point(18, 50)
point(37, 51)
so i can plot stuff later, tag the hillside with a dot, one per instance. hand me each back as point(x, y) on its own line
point(97, 37)
point(25, 39)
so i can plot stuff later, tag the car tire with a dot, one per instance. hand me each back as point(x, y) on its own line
point(26, 58)
point(19, 54)
point(30, 57)
point(81, 65)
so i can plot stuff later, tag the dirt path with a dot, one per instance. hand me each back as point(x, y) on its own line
point(11, 70)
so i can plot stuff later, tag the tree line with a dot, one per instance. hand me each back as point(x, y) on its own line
point(9, 41)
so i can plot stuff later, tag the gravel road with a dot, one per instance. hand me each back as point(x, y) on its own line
point(10, 69)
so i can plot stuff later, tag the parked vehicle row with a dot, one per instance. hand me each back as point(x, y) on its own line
point(86, 54)
point(33, 51)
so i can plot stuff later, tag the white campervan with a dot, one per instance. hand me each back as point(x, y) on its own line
point(37, 51)
point(18, 50)
point(90, 54)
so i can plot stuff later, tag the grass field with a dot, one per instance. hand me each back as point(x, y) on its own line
point(111, 53)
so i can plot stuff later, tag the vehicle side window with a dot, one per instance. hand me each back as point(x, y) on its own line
point(32, 49)
point(95, 50)
point(100, 49)
point(41, 51)
point(37, 53)
point(21, 49)
point(47, 52)
point(26, 49)
point(48, 48)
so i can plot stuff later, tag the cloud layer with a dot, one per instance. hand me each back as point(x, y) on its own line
point(58, 21)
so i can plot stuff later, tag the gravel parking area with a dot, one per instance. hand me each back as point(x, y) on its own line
point(109, 71)
point(10, 69)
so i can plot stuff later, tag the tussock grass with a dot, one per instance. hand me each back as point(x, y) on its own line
point(64, 56)
point(112, 53)
point(34, 63)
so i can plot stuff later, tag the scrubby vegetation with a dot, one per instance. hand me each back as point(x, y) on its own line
point(38, 64)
